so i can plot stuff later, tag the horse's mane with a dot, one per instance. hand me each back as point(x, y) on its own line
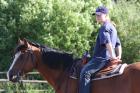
point(54, 58)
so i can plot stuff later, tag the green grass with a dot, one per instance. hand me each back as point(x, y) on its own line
point(26, 88)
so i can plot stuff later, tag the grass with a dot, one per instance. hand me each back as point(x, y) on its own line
point(8, 87)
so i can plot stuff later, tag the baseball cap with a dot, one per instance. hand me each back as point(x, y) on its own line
point(101, 10)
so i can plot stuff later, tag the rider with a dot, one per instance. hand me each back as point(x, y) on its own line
point(108, 47)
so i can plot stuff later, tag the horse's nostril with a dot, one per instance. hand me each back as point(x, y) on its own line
point(14, 77)
point(10, 77)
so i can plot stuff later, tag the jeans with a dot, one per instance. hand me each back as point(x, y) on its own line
point(88, 70)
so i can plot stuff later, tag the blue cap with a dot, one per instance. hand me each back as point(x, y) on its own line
point(101, 10)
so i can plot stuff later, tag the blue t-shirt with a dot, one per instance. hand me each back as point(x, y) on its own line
point(107, 34)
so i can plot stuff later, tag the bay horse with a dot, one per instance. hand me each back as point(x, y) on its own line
point(54, 69)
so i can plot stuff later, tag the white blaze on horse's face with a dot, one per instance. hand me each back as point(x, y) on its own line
point(14, 61)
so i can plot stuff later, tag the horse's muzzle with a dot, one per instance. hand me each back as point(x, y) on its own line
point(13, 76)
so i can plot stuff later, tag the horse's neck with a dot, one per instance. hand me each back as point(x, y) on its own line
point(48, 74)
point(59, 79)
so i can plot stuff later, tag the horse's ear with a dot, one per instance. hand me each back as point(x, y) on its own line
point(25, 42)
point(20, 41)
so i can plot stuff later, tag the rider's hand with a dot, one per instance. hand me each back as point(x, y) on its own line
point(119, 57)
point(113, 58)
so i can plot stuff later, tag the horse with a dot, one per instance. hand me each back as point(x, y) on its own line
point(54, 69)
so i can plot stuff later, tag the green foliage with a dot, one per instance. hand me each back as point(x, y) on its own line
point(61, 24)
point(65, 24)
point(126, 16)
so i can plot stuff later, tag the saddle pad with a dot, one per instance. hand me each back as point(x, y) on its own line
point(118, 70)
point(115, 72)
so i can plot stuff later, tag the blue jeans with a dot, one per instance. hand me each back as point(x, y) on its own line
point(88, 70)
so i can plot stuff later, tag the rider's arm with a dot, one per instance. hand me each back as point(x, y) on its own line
point(111, 51)
point(106, 40)
point(118, 49)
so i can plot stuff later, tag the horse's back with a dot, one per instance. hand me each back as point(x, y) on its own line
point(134, 66)
point(128, 82)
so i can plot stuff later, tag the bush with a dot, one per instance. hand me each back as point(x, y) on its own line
point(62, 24)
point(126, 16)
point(65, 24)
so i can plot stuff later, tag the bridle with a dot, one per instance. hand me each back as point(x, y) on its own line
point(30, 53)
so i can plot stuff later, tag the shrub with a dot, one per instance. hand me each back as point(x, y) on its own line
point(126, 16)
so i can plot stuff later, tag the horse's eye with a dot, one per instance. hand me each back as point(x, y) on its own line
point(23, 51)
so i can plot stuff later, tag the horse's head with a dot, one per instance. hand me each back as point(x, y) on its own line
point(23, 61)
